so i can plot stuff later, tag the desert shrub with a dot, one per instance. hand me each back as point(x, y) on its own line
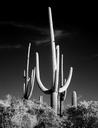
point(5, 117)
point(84, 116)
point(20, 113)
point(47, 117)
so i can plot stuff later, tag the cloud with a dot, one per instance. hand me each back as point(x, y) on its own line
point(10, 46)
point(58, 35)
point(25, 26)
point(41, 35)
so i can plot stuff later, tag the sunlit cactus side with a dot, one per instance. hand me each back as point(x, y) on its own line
point(74, 99)
point(28, 89)
point(54, 90)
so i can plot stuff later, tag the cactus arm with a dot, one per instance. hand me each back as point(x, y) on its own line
point(27, 73)
point(28, 90)
point(33, 77)
point(65, 94)
point(62, 89)
point(24, 74)
point(32, 82)
point(25, 91)
point(42, 87)
point(57, 68)
point(24, 86)
point(52, 44)
point(62, 77)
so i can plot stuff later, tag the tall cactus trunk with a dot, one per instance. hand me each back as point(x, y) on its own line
point(61, 104)
point(62, 99)
point(54, 101)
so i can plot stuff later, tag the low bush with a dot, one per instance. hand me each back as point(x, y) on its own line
point(20, 113)
point(84, 116)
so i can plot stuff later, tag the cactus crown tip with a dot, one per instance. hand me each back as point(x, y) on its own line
point(36, 53)
point(29, 44)
point(74, 91)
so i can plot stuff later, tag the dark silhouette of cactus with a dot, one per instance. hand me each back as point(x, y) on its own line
point(54, 91)
point(28, 89)
point(74, 99)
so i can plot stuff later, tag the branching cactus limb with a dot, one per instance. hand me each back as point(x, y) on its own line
point(63, 89)
point(42, 87)
point(28, 58)
point(56, 83)
point(32, 83)
point(54, 89)
point(28, 89)
point(65, 86)
point(74, 99)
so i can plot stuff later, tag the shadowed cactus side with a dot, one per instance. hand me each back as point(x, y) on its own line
point(28, 89)
point(55, 90)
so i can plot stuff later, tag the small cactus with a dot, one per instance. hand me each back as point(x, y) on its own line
point(41, 101)
point(74, 99)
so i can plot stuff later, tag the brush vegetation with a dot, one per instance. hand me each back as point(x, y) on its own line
point(21, 113)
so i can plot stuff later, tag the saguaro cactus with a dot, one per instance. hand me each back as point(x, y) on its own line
point(74, 99)
point(28, 89)
point(54, 91)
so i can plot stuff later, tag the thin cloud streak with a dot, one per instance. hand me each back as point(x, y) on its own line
point(58, 34)
point(43, 35)
point(10, 46)
point(25, 26)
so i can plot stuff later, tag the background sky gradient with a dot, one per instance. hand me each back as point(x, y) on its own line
point(76, 31)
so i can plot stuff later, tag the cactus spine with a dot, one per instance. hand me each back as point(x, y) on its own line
point(28, 90)
point(74, 99)
point(54, 91)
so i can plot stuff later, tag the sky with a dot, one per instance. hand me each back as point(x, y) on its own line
point(76, 31)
